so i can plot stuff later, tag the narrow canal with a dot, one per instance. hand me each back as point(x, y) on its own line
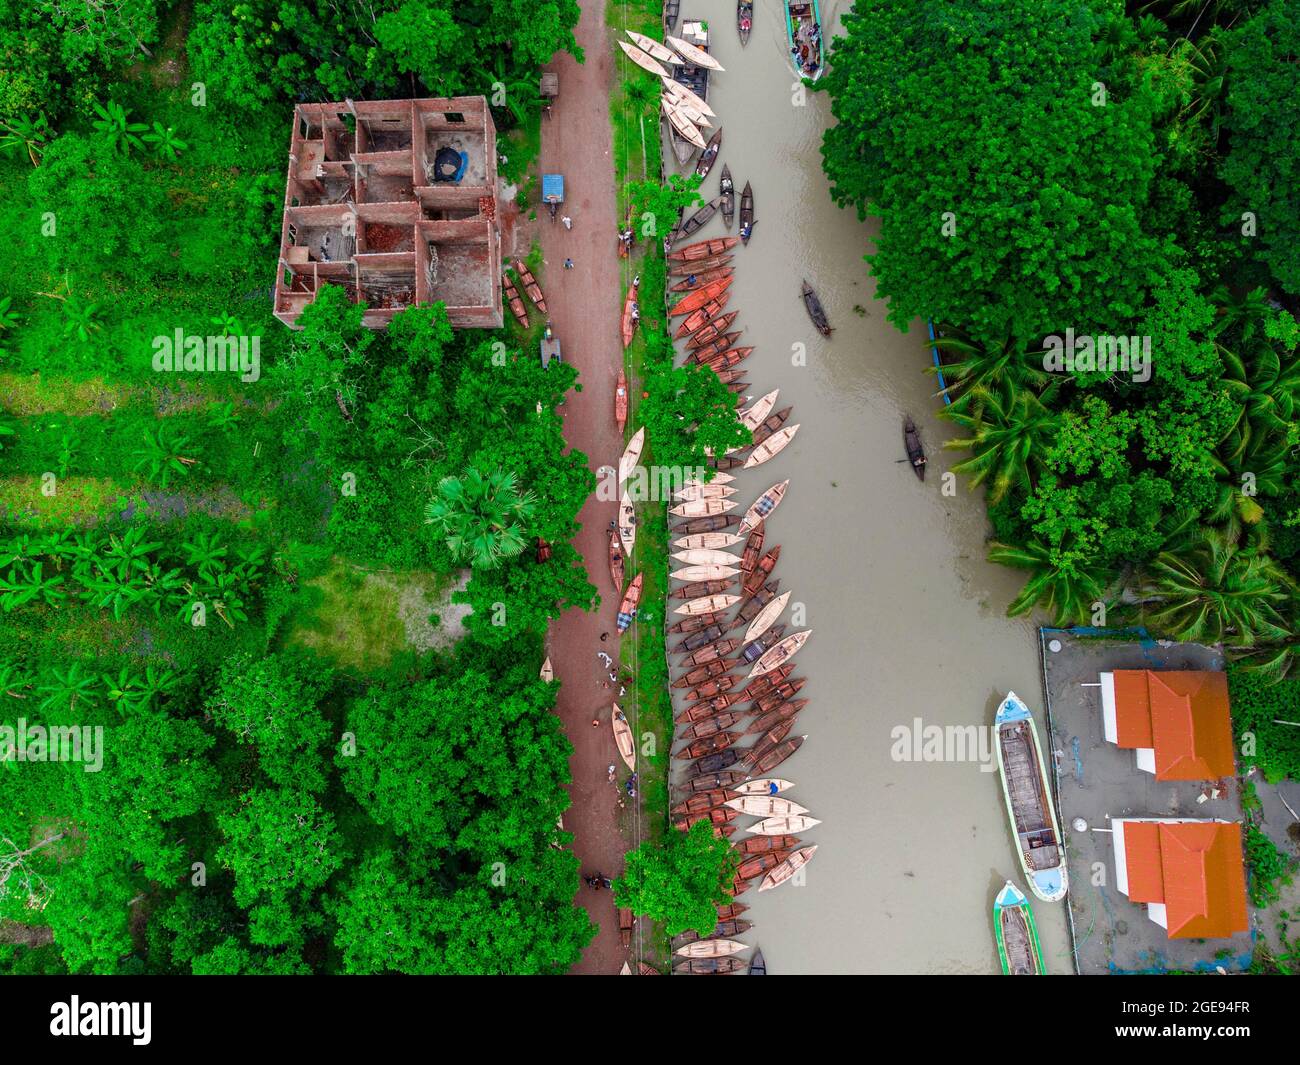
point(908, 616)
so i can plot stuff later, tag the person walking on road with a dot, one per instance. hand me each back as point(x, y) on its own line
point(568, 264)
point(568, 222)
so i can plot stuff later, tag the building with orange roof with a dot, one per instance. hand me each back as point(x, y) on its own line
point(1177, 721)
point(1190, 874)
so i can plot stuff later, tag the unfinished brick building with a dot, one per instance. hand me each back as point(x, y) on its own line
point(395, 200)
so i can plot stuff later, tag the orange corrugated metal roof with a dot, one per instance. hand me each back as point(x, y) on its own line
point(1195, 869)
point(1183, 715)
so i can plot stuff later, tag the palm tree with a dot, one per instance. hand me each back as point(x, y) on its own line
point(480, 516)
point(1062, 579)
point(984, 368)
point(641, 95)
point(1008, 431)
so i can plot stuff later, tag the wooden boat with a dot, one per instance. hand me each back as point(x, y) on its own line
point(710, 688)
point(698, 267)
point(719, 817)
point(912, 444)
point(704, 800)
point(517, 307)
point(746, 212)
point(718, 346)
point(694, 55)
point(617, 562)
point(688, 111)
point(757, 965)
point(703, 295)
point(697, 319)
point(731, 911)
point(628, 324)
point(711, 948)
point(627, 608)
point(694, 223)
point(778, 715)
point(700, 508)
point(780, 826)
point(631, 456)
point(684, 128)
point(815, 311)
point(766, 616)
point(764, 786)
point(671, 8)
point(764, 844)
point(697, 526)
point(700, 589)
point(724, 929)
point(760, 864)
point(706, 604)
point(722, 779)
point(713, 652)
point(643, 60)
point(753, 580)
point(769, 682)
point(719, 740)
point(764, 806)
point(712, 331)
point(625, 920)
point(774, 698)
point(623, 738)
point(530, 284)
point(767, 427)
point(740, 388)
point(788, 868)
point(1017, 934)
point(803, 38)
point(695, 624)
point(763, 506)
point(620, 402)
point(753, 548)
point(727, 197)
point(770, 760)
point(752, 416)
point(682, 93)
point(771, 738)
point(708, 966)
point(695, 282)
point(727, 360)
point(729, 375)
point(654, 49)
point(700, 711)
point(699, 556)
point(744, 23)
point(646, 969)
point(548, 672)
point(709, 156)
point(717, 478)
point(754, 649)
point(754, 604)
point(1028, 797)
point(771, 447)
point(703, 249)
point(714, 667)
point(786, 649)
point(626, 524)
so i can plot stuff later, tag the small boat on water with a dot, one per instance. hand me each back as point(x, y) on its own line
point(715, 523)
point(701, 296)
point(706, 604)
point(1028, 797)
point(778, 714)
point(755, 578)
point(760, 864)
point(725, 929)
point(698, 318)
point(786, 649)
point(744, 20)
point(754, 604)
point(774, 698)
point(693, 75)
point(764, 806)
point(769, 425)
point(746, 212)
point(764, 618)
point(709, 571)
point(626, 524)
point(698, 508)
point(722, 779)
point(728, 361)
point(769, 682)
point(727, 194)
point(815, 311)
point(717, 741)
point(684, 129)
point(754, 414)
point(644, 60)
point(695, 222)
point(530, 284)
point(718, 649)
point(703, 556)
point(803, 35)
point(517, 307)
point(757, 964)
point(709, 966)
point(1013, 922)
point(704, 249)
point(654, 49)
point(617, 562)
point(753, 650)
point(912, 444)
point(711, 948)
point(620, 401)
point(780, 826)
point(731, 910)
point(705, 491)
point(704, 800)
point(711, 688)
point(712, 330)
point(788, 868)
point(771, 447)
point(623, 739)
point(671, 9)
point(682, 94)
point(709, 156)
point(548, 672)
point(698, 640)
point(694, 624)
point(627, 608)
point(717, 478)
point(631, 455)
point(694, 54)
point(769, 760)
point(763, 507)
point(764, 787)
point(766, 742)
point(695, 282)
point(628, 324)
point(706, 727)
point(753, 549)
point(698, 267)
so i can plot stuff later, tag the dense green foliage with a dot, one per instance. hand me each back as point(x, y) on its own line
point(680, 880)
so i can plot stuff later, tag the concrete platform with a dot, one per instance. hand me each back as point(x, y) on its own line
point(1096, 780)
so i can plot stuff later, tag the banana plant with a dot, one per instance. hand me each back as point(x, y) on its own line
point(162, 455)
point(115, 125)
point(164, 141)
point(205, 551)
point(24, 134)
point(128, 553)
point(23, 586)
point(68, 688)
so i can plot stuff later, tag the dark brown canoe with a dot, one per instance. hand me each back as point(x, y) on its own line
point(747, 212)
point(710, 688)
point(744, 20)
point(727, 188)
point(711, 652)
point(724, 930)
point(709, 966)
point(714, 329)
point(516, 301)
point(769, 681)
point(530, 284)
point(707, 781)
point(765, 763)
point(719, 815)
point(698, 319)
point(912, 444)
point(710, 523)
point(617, 562)
point(769, 425)
point(783, 712)
point(815, 311)
point(753, 650)
point(716, 347)
point(702, 638)
point(728, 359)
point(731, 910)
point(695, 622)
point(706, 800)
point(711, 725)
point(777, 695)
point(740, 388)
point(763, 844)
point(760, 863)
point(699, 589)
point(697, 266)
point(753, 581)
point(753, 549)
point(769, 741)
point(750, 607)
point(700, 281)
point(703, 249)
point(701, 711)
point(729, 375)
point(710, 155)
point(707, 671)
point(695, 222)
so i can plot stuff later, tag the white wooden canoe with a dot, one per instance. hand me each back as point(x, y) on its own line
point(678, 91)
point(711, 948)
point(631, 455)
point(780, 826)
point(547, 674)
point(707, 604)
point(708, 572)
point(707, 540)
point(684, 126)
point(644, 61)
point(626, 524)
point(788, 868)
point(654, 49)
point(703, 508)
point(762, 507)
point(718, 478)
point(765, 806)
point(705, 491)
point(782, 652)
point(691, 113)
point(752, 416)
point(626, 970)
point(771, 447)
point(691, 54)
point(764, 618)
point(623, 739)
point(763, 786)
point(703, 556)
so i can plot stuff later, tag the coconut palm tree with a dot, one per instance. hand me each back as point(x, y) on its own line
point(984, 368)
point(642, 95)
point(1007, 432)
point(1267, 393)
point(481, 516)
point(1062, 579)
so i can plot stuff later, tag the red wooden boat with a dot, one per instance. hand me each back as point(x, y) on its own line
point(769, 741)
point(713, 330)
point(617, 562)
point(728, 929)
point(697, 319)
point(698, 281)
point(629, 322)
point(777, 695)
point(707, 800)
point(516, 301)
point(706, 672)
point(620, 401)
point(778, 676)
point(753, 548)
point(710, 688)
point(699, 266)
point(703, 249)
point(530, 284)
point(719, 815)
point(751, 582)
point(700, 638)
point(709, 966)
point(731, 911)
point(729, 375)
point(770, 424)
point(701, 296)
point(717, 347)
point(782, 712)
point(699, 589)
point(701, 711)
point(627, 608)
point(695, 622)
point(768, 761)
point(758, 864)
point(711, 523)
point(740, 388)
point(712, 652)
point(764, 844)
point(711, 725)
point(750, 607)
point(727, 359)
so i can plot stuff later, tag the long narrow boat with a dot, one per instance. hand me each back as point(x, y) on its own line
point(729, 360)
point(627, 608)
point(803, 35)
point(701, 316)
point(704, 491)
point(746, 212)
point(1028, 797)
point(912, 445)
point(531, 287)
point(627, 524)
point(707, 727)
point(695, 282)
point(717, 741)
point(783, 651)
point(684, 130)
point(697, 508)
point(517, 307)
point(726, 929)
point(769, 682)
point(694, 624)
point(711, 948)
point(765, 806)
point(754, 414)
point(780, 826)
point(653, 48)
point(754, 579)
point(815, 310)
point(671, 9)
point(687, 110)
point(704, 249)
point(717, 478)
point(760, 864)
point(712, 330)
point(774, 698)
point(766, 742)
point(715, 650)
point(773, 758)
point(754, 604)
point(706, 604)
point(708, 571)
point(623, 739)
point(644, 61)
point(548, 671)
point(703, 556)
point(765, 617)
point(708, 540)
point(697, 221)
point(719, 779)
point(709, 966)
point(681, 93)
point(1013, 922)
point(620, 401)
point(709, 156)
point(698, 267)
point(631, 456)
point(757, 964)
point(778, 714)
point(727, 196)
point(617, 562)
point(771, 447)
point(763, 506)
point(703, 800)
point(692, 75)
point(764, 787)
point(693, 53)
point(700, 296)
point(697, 641)
point(753, 549)
point(628, 324)
point(744, 20)
point(700, 589)
point(788, 868)
point(716, 523)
